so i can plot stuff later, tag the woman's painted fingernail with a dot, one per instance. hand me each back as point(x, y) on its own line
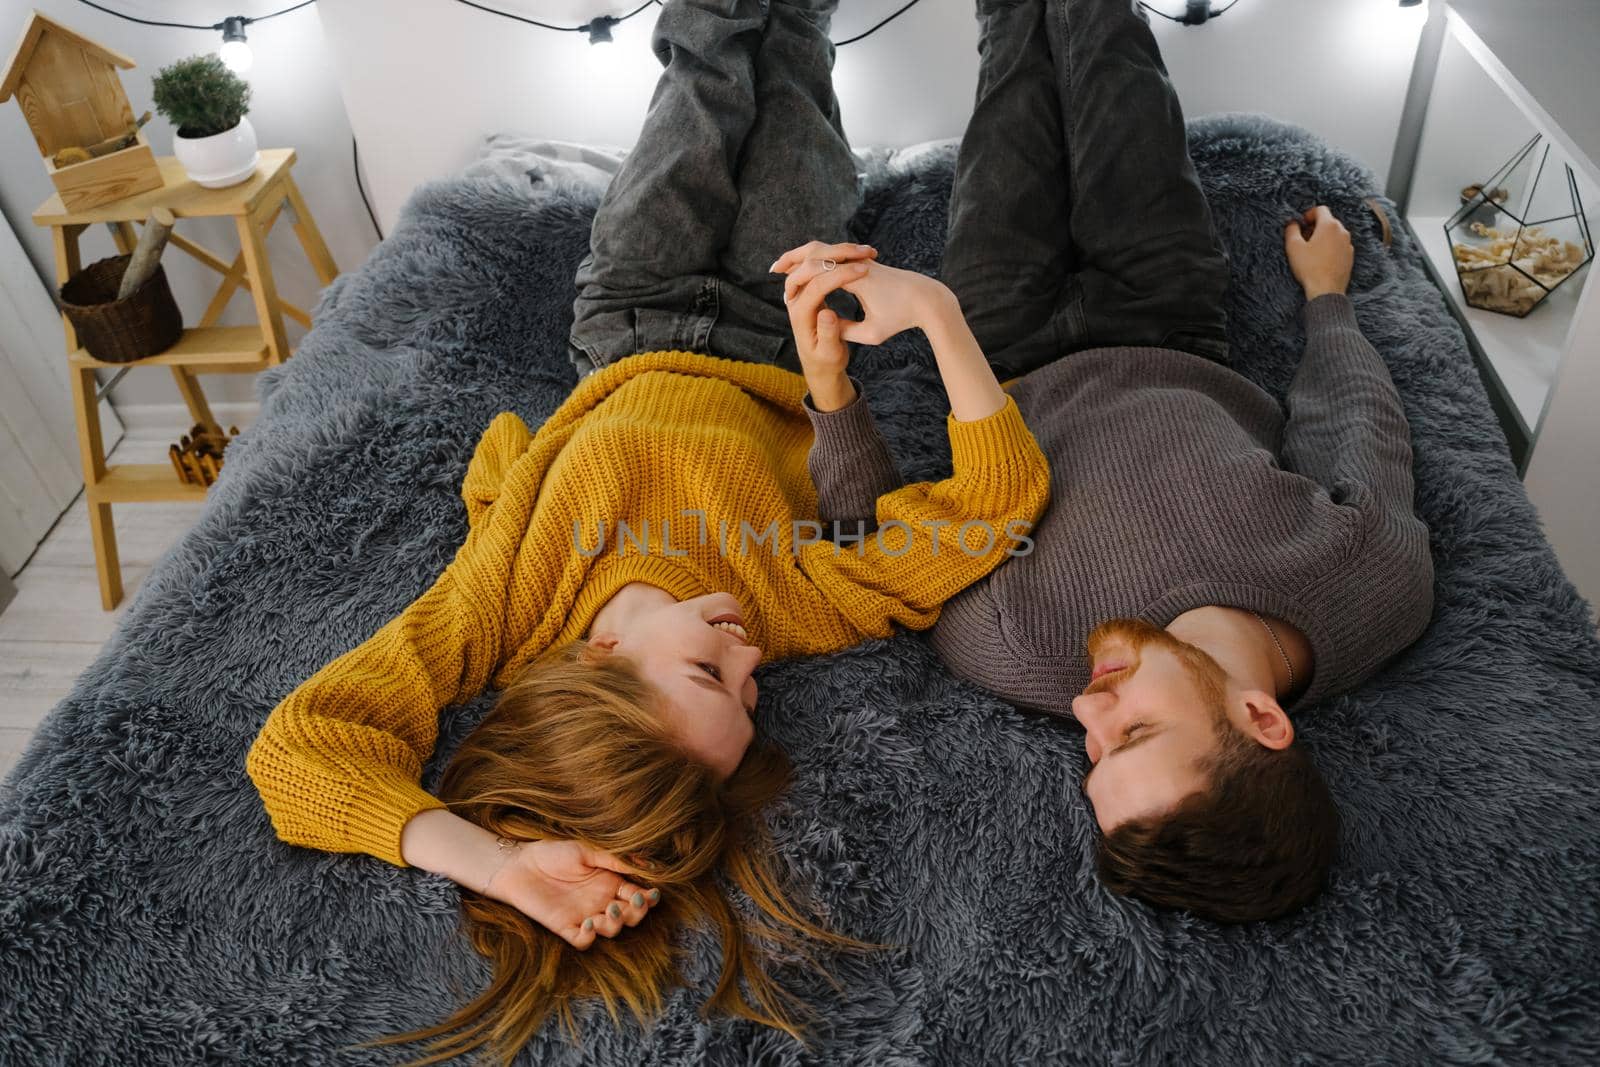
point(588, 924)
point(637, 900)
point(654, 895)
point(615, 911)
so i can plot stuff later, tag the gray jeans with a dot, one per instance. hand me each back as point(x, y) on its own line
point(1076, 218)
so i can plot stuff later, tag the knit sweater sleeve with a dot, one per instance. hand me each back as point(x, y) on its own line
point(850, 464)
point(339, 761)
point(936, 538)
point(1346, 430)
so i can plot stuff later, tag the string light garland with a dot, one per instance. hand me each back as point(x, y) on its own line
point(598, 28)
point(235, 50)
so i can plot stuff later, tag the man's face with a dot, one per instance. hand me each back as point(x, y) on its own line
point(1152, 711)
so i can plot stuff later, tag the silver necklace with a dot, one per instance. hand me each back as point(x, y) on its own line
point(1279, 645)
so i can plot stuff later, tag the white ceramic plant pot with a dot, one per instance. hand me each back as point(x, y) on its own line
point(223, 159)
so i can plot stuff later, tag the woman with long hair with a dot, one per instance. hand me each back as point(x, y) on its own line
point(627, 567)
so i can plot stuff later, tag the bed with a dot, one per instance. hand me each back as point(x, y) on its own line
point(149, 915)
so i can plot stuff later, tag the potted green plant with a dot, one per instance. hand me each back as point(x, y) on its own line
point(206, 104)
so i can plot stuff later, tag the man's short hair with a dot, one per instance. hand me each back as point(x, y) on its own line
point(1256, 845)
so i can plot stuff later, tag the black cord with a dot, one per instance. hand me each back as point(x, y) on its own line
point(355, 162)
point(885, 22)
point(308, 3)
point(523, 19)
point(545, 25)
point(195, 25)
point(145, 22)
point(1183, 18)
point(1157, 11)
point(623, 18)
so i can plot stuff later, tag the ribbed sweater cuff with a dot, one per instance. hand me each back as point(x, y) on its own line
point(847, 429)
point(991, 440)
point(1330, 310)
point(374, 824)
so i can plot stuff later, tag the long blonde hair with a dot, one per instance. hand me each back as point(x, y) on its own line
point(576, 748)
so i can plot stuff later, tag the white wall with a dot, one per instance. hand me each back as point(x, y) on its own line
point(1337, 66)
point(295, 102)
point(424, 80)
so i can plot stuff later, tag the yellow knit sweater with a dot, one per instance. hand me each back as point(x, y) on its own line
point(643, 440)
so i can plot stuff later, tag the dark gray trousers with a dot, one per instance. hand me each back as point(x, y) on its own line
point(1076, 218)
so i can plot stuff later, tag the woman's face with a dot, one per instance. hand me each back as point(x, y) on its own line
point(697, 655)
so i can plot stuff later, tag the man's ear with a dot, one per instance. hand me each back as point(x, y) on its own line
point(1269, 724)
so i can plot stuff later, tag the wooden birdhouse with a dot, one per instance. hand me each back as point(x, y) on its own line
point(72, 98)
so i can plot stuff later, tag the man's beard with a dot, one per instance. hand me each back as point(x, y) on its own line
point(1137, 635)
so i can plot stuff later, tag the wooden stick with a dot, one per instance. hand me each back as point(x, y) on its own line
point(118, 142)
point(147, 256)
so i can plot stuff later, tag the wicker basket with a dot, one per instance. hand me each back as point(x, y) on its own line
point(119, 331)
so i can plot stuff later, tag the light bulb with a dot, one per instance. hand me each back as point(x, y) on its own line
point(236, 56)
point(235, 51)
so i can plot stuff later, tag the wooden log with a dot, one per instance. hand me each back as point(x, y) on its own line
point(147, 255)
point(196, 475)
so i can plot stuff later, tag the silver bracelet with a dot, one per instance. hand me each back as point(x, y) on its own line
point(505, 848)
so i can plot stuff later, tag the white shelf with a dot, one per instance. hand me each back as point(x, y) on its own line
point(1523, 353)
point(1490, 74)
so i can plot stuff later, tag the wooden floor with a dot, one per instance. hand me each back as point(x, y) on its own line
point(54, 627)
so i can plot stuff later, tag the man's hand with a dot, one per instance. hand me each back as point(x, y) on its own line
point(824, 356)
point(575, 892)
point(1320, 253)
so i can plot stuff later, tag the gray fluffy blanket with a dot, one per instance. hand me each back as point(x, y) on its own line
point(148, 914)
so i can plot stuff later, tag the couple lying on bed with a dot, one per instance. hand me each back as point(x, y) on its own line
point(1205, 562)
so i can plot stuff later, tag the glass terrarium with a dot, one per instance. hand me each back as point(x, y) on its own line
point(1520, 234)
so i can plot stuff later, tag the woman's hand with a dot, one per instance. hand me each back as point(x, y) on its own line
point(824, 357)
point(1320, 253)
point(574, 892)
point(893, 300)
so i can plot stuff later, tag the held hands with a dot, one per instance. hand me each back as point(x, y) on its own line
point(893, 300)
point(574, 892)
point(1320, 253)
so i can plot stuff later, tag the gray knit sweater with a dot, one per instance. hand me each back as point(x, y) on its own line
point(1176, 483)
